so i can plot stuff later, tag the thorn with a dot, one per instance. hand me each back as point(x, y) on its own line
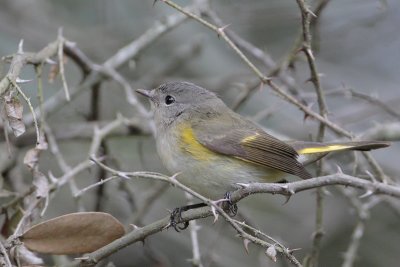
point(50, 61)
point(21, 81)
point(243, 185)
point(339, 170)
point(287, 198)
point(371, 176)
point(173, 177)
point(290, 251)
point(123, 175)
point(70, 43)
point(289, 192)
point(298, 50)
point(221, 30)
point(367, 194)
point(326, 192)
point(287, 189)
point(246, 243)
point(219, 201)
point(52, 178)
point(306, 116)
point(81, 258)
point(21, 47)
point(167, 226)
point(312, 13)
point(215, 213)
point(134, 227)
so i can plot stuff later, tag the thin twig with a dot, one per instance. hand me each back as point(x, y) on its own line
point(307, 16)
point(220, 32)
point(286, 96)
point(4, 255)
point(114, 62)
point(60, 52)
point(102, 181)
point(107, 250)
point(64, 166)
point(30, 108)
point(285, 189)
point(350, 255)
point(194, 228)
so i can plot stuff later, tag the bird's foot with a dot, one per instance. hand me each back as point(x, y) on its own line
point(229, 206)
point(176, 220)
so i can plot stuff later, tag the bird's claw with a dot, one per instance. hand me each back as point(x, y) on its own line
point(230, 207)
point(176, 220)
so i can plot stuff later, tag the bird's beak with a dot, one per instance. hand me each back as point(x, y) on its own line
point(146, 93)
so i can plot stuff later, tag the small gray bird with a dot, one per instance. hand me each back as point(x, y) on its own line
point(215, 148)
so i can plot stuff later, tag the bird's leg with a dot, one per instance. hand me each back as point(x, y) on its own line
point(230, 207)
point(176, 216)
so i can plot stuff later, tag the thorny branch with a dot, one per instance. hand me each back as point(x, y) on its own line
point(288, 190)
point(307, 16)
point(94, 74)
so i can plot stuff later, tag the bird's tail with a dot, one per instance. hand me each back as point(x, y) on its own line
point(312, 151)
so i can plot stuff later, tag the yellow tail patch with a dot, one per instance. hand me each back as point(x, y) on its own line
point(322, 149)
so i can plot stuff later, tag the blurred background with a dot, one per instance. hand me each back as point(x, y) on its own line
point(357, 49)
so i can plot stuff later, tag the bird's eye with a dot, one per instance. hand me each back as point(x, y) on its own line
point(169, 100)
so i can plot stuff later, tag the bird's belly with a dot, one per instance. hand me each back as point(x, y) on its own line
point(212, 175)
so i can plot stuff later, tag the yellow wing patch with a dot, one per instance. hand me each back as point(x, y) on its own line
point(250, 138)
point(322, 149)
point(190, 144)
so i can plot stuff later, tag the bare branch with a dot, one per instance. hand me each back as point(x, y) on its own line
point(288, 189)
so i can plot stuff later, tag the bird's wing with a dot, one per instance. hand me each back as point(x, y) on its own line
point(242, 139)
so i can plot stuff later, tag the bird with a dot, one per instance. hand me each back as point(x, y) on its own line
point(214, 148)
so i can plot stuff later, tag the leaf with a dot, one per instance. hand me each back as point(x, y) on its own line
point(41, 184)
point(31, 158)
point(14, 110)
point(74, 233)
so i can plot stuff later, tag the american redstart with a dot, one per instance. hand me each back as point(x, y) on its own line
point(214, 148)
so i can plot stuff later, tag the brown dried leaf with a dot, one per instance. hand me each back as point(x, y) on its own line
point(74, 233)
point(14, 110)
point(31, 158)
point(41, 184)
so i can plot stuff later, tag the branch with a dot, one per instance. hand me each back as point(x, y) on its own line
point(286, 96)
point(289, 189)
point(307, 15)
point(116, 61)
point(334, 179)
point(216, 210)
